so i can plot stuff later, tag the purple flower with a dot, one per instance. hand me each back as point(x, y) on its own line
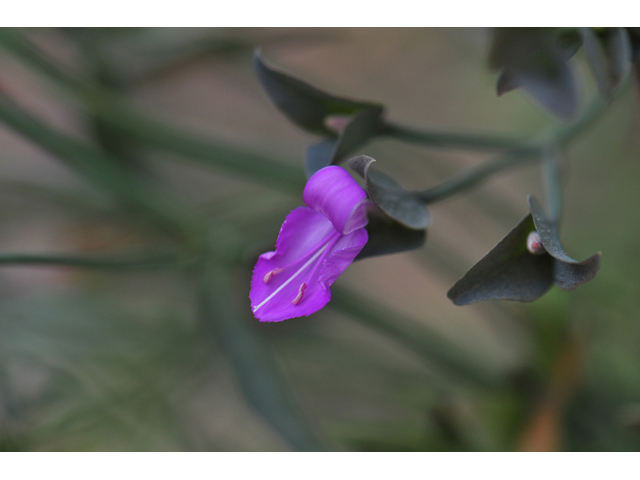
point(314, 247)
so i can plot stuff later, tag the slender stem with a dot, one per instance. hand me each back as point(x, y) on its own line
point(475, 175)
point(444, 139)
point(526, 151)
point(129, 261)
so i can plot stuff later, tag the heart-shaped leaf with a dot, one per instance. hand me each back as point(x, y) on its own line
point(568, 273)
point(609, 54)
point(507, 272)
point(386, 236)
point(360, 128)
point(304, 104)
point(401, 205)
point(534, 59)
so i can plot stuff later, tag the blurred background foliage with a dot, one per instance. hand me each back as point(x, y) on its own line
point(144, 170)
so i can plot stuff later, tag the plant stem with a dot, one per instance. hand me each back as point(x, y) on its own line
point(553, 182)
point(129, 261)
point(554, 137)
point(475, 175)
point(449, 139)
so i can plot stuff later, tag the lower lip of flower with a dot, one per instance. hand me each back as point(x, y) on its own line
point(321, 251)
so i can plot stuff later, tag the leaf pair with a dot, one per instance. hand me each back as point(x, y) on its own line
point(511, 272)
point(537, 59)
point(346, 124)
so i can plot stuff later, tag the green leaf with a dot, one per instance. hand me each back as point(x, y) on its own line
point(534, 59)
point(305, 105)
point(401, 205)
point(386, 236)
point(609, 54)
point(363, 126)
point(507, 272)
point(568, 273)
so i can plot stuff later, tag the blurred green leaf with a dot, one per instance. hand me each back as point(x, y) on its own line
point(401, 205)
point(532, 58)
point(609, 54)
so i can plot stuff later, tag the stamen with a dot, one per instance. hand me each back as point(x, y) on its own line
point(267, 278)
point(329, 242)
point(298, 299)
point(534, 243)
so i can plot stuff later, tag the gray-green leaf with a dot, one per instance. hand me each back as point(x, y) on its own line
point(386, 236)
point(609, 54)
point(305, 105)
point(568, 273)
point(401, 205)
point(534, 59)
point(507, 272)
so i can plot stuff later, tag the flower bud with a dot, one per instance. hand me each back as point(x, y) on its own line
point(534, 243)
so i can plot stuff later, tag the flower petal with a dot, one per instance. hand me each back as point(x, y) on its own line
point(334, 193)
point(343, 254)
point(310, 255)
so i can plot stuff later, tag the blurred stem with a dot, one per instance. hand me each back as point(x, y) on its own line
point(471, 177)
point(100, 169)
point(90, 43)
point(129, 261)
point(116, 112)
point(421, 340)
point(256, 370)
point(554, 137)
point(553, 182)
point(449, 139)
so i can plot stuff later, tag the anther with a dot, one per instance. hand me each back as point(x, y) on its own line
point(534, 244)
point(298, 299)
point(267, 278)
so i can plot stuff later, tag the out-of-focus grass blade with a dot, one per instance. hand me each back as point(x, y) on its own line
point(99, 168)
point(255, 369)
point(135, 260)
point(115, 111)
point(424, 342)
